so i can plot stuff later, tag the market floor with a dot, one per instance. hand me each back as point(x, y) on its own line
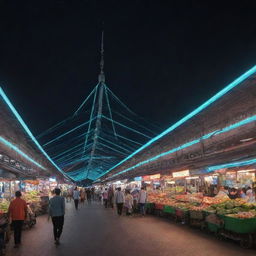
point(95, 231)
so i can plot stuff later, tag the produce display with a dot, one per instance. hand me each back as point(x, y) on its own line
point(236, 208)
point(38, 204)
point(4, 205)
point(31, 197)
point(196, 202)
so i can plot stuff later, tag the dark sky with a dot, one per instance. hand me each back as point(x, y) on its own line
point(161, 59)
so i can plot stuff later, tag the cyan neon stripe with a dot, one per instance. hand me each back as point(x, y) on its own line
point(188, 144)
point(128, 139)
point(85, 100)
point(68, 132)
point(66, 151)
point(120, 152)
point(17, 150)
point(114, 144)
point(192, 114)
point(126, 127)
point(109, 109)
point(91, 115)
point(230, 165)
point(16, 114)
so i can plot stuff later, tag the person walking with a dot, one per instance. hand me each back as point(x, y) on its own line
point(142, 201)
point(82, 196)
point(57, 212)
point(76, 195)
point(135, 194)
point(69, 196)
point(89, 196)
point(119, 198)
point(111, 197)
point(128, 204)
point(105, 198)
point(17, 212)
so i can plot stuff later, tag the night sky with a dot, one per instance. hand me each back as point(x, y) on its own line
point(162, 60)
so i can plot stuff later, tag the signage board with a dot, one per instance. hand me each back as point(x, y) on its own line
point(180, 174)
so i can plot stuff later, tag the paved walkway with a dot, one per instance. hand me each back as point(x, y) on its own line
point(95, 231)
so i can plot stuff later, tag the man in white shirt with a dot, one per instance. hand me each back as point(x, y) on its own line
point(119, 198)
point(142, 200)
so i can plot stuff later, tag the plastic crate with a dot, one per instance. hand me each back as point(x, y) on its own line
point(241, 226)
point(169, 209)
point(213, 227)
point(181, 213)
point(159, 206)
point(149, 205)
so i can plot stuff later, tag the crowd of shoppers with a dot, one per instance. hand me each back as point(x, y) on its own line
point(131, 201)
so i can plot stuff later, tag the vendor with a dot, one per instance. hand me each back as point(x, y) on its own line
point(250, 195)
point(222, 193)
point(233, 193)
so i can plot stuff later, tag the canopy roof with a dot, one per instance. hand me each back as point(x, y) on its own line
point(222, 130)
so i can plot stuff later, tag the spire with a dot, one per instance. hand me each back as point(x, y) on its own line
point(101, 75)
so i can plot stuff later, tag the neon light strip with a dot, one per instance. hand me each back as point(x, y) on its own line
point(63, 144)
point(72, 155)
point(230, 165)
point(68, 150)
point(128, 139)
point(91, 115)
point(114, 144)
point(68, 155)
point(120, 102)
point(17, 150)
point(126, 127)
point(192, 114)
point(109, 109)
point(87, 158)
point(52, 128)
point(188, 144)
point(85, 100)
point(68, 132)
point(139, 125)
point(7, 101)
point(120, 152)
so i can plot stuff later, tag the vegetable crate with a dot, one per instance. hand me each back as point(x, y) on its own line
point(242, 230)
point(213, 223)
point(196, 218)
point(159, 209)
point(196, 215)
point(240, 226)
point(169, 209)
point(150, 208)
point(214, 228)
point(181, 215)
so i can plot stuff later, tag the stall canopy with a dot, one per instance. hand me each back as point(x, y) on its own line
point(20, 153)
point(219, 132)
